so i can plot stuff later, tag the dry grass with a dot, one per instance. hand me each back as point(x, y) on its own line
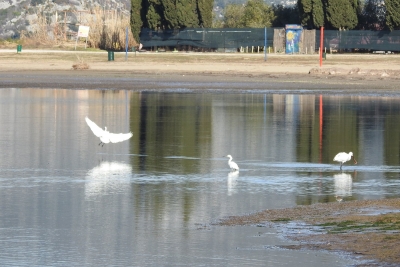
point(107, 31)
point(6, 44)
point(80, 65)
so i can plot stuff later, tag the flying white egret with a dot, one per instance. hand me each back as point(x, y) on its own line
point(105, 136)
point(232, 165)
point(342, 157)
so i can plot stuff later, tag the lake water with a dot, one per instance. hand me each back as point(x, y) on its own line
point(151, 200)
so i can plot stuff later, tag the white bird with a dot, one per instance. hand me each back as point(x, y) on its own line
point(232, 164)
point(343, 157)
point(105, 136)
point(339, 199)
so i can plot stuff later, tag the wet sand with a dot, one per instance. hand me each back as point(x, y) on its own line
point(369, 229)
point(344, 74)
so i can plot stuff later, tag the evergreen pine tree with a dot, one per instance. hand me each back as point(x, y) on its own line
point(204, 8)
point(392, 14)
point(342, 14)
point(311, 13)
point(136, 21)
point(186, 12)
point(151, 14)
point(305, 9)
point(318, 16)
point(285, 15)
point(169, 12)
point(176, 14)
point(372, 15)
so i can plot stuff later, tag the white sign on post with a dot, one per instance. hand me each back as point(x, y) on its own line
point(83, 31)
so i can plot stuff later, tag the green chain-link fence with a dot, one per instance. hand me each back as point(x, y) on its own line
point(204, 39)
point(232, 40)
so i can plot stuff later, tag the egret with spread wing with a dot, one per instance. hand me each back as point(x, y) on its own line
point(343, 157)
point(232, 164)
point(105, 136)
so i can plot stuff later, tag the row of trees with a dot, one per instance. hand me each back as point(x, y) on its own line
point(311, 14)
point(350, 14)
point(170, 14)
point(339, 14)
point(255, 14)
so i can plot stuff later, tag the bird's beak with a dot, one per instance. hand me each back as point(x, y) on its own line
point(355, 161)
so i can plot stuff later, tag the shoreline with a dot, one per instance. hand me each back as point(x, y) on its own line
point(366, 229)
point(201, 71)
point(145, 80)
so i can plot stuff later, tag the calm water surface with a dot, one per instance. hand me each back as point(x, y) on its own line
point(150, 201)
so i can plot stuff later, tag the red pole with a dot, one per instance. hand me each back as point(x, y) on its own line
point(321, 120)
point(321, 44)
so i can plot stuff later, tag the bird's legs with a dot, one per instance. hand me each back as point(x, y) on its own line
point(101, 143)
point(341, 163)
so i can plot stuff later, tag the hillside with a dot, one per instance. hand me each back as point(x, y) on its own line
point(23, 15)
point(18, 16)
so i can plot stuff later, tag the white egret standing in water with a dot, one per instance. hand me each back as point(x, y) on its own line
point(339, 199)
point(343, 157)
point(232, 164)
point(105, 136)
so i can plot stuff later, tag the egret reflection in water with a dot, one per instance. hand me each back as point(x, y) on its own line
point(108, 178)
point(343, 184)
point(150, 210)
point(232, 182)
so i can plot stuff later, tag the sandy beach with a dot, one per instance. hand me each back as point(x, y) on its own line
point(54, 68)
point(339, 73)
